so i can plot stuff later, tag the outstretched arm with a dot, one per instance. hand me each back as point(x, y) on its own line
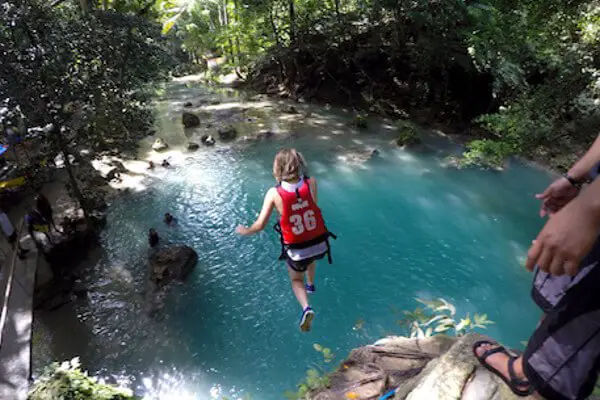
point(263, 218)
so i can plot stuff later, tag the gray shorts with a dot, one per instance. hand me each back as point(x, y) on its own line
point(562, 357)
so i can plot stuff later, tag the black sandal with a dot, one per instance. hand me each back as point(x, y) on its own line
point(513, 382)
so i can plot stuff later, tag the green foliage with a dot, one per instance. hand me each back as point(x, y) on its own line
point(314, 380)
point(315, 377)
point(408, 133)
point(66, 381)
point(89, 67)
point(439, 317)
point(328, 356)
point(360, 121)
point(484, 153)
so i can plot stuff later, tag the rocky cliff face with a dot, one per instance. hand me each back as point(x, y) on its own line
point(435, 368)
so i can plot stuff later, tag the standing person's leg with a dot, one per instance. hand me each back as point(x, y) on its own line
point(563, 354)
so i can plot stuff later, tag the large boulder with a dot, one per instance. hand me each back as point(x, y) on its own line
point(228, 133)
point(437, 368)
point(159, 145)
point(190, 120)
point(171, 263)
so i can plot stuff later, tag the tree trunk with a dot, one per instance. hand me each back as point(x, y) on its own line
point(85, 6)
point(337, 8)
point(292, 11)
point(105, 5)
point(274, 27)
point(72, 180)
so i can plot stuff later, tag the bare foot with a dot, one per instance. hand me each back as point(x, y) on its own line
point(499, 362)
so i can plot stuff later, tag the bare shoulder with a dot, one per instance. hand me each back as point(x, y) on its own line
point(271, 194)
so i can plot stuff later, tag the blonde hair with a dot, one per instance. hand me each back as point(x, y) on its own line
point(289, 165)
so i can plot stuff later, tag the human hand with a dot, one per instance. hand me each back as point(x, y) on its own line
point(242, 230)
point(565, 240)
point(556, 196)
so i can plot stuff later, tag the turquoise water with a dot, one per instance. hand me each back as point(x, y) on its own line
point(407, 228)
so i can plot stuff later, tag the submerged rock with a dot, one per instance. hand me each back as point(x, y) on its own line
point(171, 263)
point(355, 155)
point(434, 368)
point(189, 120)
point(207, 140)
point(159, 145)
point(227, 133)
point(266, 134)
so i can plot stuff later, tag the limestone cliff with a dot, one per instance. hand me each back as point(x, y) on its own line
point(435, 368)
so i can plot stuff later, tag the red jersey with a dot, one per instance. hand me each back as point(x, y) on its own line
point(301, 220)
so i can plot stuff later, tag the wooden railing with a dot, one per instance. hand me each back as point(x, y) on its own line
point(9, 282)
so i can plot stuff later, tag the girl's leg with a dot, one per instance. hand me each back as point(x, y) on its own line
point(297, 280)
point(310, 273)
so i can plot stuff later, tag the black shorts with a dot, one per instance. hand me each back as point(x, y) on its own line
point(302, 265)
point(562, 357)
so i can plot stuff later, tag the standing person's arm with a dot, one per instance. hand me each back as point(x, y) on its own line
point(581, 169)
point(568, 236)
point(566, 188)
point(263, 217)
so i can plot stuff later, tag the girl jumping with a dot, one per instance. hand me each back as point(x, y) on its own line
point(304, 236)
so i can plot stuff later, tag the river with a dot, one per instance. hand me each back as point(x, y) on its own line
point(408, 227)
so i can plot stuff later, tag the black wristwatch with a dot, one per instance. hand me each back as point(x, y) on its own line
point(574, 182)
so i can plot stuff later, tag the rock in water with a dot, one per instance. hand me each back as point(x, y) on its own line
point(120, 167)
point(112, 174)
point(159, 145)
point(188, 104)
point(172, 263)
point(228, 133)
point(189, 120)
point(207, 140)
point(193, 146)
point(290, 110)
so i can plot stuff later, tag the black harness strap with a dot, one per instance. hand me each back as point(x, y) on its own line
point(303, 245)
point(277, 228)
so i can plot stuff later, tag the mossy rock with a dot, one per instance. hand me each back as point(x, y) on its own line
point(408, 133)
point(360, 121)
